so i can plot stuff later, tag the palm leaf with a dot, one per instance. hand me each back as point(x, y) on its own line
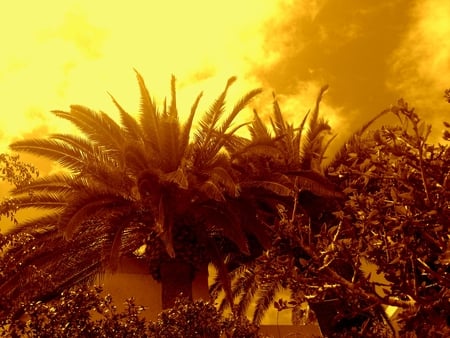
point(169, 147)
point(258, 131)
point(56, 183)
point(246, 286)
point(218, 262)
point(316, 183)
point(35, 227)
point(85, 207)
point(209, 121)
point(270, 186)
point(131, 126)
point(278, 124)
point(241, 104)
point(223, 177)
point(186, 130)
point(315, 114)
point(173, 112)
point(98, 127)
point(211, 191)
point(177, 177)
point(149, 116)
point(266, 297)
point(342, 152)
point(61, 152)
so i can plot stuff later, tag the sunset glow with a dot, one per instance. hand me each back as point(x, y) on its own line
point(57, 53)
point(54, 55)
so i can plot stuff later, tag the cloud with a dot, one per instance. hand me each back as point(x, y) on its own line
point(420, 70)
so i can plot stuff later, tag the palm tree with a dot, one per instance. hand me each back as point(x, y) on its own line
point(283, 169)
point(142, 181)
point(293, 157)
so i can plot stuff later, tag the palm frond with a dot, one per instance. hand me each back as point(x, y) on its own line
point(149, 118)
point(138, 158)
point(342, 152)
point(114, 252)
point(186, 130)
point(225, 281)
point(226, 223)
point(56, 183)
point(98, 127)
point(178, 177)
point(37, 226)
point(223, 177)
point(247, 286)
point(165, 225)
point(315, 114)
point(297, 141)
point(55, 201)
point(173, 112)
point(131, 126)
point(316, 183)
point(278, 124)
point(258, 131)
point(241, 104)
point(85, 207)
point(266, 296)
point(209, 121)
point(211, 191)
point(269, 186)
point(169, 134)
point(68, 156)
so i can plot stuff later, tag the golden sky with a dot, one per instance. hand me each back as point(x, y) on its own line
point(57, 53)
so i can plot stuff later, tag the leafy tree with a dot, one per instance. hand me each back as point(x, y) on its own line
point(85, 312)
point(17, 173)
point(394, 217)
point(141, 182)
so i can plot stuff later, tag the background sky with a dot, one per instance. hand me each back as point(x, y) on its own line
point(57, 53)
point(371, 53)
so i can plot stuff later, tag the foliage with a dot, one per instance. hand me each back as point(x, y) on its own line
point(148, 181)
point(200, 319)
point(86, 312)
point(385, 244)
point(78, 312)
point(29, 270)
point(15, 172)
point(369, 230)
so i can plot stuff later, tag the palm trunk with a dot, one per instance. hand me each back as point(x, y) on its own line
point(176, 281)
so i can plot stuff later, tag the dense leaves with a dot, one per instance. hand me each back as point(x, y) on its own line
point(384, 244)
point(149, 181)
point(366, 233)
point(87, 312)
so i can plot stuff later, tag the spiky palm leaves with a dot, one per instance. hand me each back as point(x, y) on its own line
point(282, 168)
point(140, 177)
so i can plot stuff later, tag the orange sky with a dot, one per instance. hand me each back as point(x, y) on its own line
point(56, 53)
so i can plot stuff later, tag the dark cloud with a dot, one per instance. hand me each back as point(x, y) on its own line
point(345, 44)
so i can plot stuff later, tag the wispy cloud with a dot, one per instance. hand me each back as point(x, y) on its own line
point(420, 67)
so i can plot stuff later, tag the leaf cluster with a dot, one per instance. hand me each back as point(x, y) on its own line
point(85, 311)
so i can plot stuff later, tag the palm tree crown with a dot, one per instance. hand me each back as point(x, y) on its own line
point(150, 178)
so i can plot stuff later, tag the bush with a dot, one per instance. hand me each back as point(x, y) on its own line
point(85, 312)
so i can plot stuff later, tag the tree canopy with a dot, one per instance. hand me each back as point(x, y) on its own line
point(366, 231)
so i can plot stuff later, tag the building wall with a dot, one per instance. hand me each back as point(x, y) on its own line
point(133, 279)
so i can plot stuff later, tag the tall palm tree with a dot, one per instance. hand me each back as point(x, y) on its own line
point(147, 179)
point(280, 168)
point(293, 156)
